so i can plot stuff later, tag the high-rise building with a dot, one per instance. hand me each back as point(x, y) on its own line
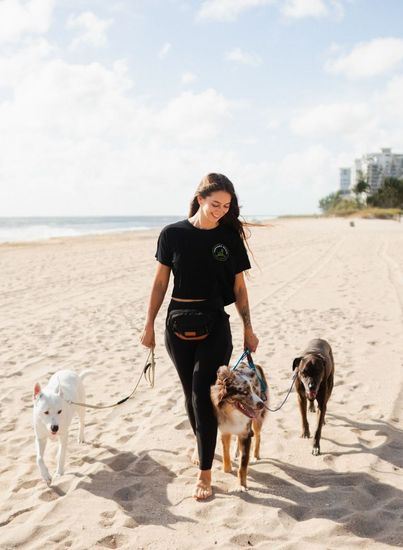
point(374, 168)
point(345, 181)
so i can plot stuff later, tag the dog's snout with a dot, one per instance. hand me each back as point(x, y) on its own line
point(260, 405)
point(54, 429)
point(311, 385)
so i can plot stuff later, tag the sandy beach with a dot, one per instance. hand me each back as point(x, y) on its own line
point(80, 303)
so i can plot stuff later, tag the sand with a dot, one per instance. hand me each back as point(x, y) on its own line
point(80, 303)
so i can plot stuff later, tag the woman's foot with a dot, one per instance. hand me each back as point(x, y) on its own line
point(203, 487)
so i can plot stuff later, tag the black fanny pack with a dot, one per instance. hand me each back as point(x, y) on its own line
point(190, 324)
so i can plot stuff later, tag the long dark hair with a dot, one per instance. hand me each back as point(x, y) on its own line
point(218, 182)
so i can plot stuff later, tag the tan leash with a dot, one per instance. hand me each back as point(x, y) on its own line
point(149, 374)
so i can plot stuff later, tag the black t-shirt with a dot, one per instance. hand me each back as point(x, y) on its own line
point(204, 261)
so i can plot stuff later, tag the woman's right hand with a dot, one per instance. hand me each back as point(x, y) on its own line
point(147, 339)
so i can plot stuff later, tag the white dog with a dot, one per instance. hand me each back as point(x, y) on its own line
point(53, 414)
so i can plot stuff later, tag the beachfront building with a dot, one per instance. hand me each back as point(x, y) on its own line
point(375, 167)
point(345, 181)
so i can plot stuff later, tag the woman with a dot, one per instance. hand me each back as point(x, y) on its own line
point(207, 256)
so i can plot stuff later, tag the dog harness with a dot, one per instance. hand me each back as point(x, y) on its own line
point(247, 354)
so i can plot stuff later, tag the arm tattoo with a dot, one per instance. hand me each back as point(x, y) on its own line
point(245, 314)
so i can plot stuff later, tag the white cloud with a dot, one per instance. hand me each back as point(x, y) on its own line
point(18, 17)
point(91, 30)
point(342, 117)
point(14, 68)
point(188, 78)
point(393, 96)
point(358, 126)
point(164, 50)
point(90, 145)
point(197, 117)
point(304, 8)
point(311, 166)
point(368, 59)
point(245, 58)
point(228, 10)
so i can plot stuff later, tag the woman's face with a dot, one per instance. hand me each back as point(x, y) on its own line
point(215, 206)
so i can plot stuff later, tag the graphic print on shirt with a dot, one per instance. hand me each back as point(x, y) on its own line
point(220, 252)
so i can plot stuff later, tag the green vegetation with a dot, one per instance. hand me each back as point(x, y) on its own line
point(386, 202)
point(390, 195)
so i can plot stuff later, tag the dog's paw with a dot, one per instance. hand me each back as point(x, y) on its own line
point(305, 435)
point(227, 469)
point(81, 440)
point(316, 451)
point(47, 479)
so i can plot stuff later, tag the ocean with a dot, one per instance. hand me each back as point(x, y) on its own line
point(39, 228)
point(20, 229)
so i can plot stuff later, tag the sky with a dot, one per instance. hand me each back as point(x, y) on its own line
point(120, 107)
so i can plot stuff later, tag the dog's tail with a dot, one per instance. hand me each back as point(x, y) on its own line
point(86, 373)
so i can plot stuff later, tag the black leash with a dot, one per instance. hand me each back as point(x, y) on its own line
point(286, 397)
point(149, 374)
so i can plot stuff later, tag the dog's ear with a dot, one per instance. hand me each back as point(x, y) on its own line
point(59, 391)
point(296, 362)
point(221, 394)
point(223, 373)
point(37, 390)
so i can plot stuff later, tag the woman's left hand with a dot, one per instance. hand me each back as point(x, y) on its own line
point(250, 340)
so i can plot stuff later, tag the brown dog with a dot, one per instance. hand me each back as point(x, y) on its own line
point(314, 381)
point(239, 402)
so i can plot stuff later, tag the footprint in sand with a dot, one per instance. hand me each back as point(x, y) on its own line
point(113, 541)
point(245, 540)
point(61, 536)
point(124, 438)
point(184, 425)
point(122, 461)
point(26, 485)
point(16, 514)
point(107, 519)
point(48, 495)
point(127, 494)
point(130, 523)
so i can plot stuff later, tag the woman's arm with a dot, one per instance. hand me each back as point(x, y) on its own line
point(251, 341)
point(158, 291)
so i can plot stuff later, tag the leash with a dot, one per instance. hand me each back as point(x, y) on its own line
point(149, 374)
point(247, 354)
point(286, 397)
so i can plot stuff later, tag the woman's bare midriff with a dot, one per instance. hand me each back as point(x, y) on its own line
point(189, 299)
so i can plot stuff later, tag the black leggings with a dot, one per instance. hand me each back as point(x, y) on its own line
point(197, 363)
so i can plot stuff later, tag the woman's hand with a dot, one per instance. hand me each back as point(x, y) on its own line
point(250, 340)
point(147, 339)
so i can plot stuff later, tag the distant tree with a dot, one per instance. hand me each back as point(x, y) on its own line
point(361, 186)
point(389, 195)
point(330, 201)
point(360, 191)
